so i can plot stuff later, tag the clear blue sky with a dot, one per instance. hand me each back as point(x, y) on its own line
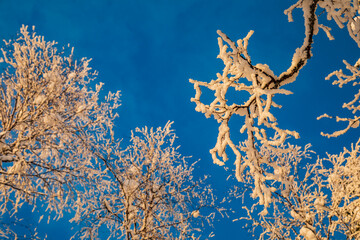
point(149, 49)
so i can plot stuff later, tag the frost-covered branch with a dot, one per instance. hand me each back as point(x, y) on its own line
point(289, 204)
point(292, 211)
point(353, 105)
point(51, 120)
point(320, 203)
point(261, 85)
point(150, 194)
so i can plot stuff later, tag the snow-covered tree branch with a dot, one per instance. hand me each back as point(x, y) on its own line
point(150, 193)
point(50, 122)
point(58, 150)
point(319, 202)
point(353, 106)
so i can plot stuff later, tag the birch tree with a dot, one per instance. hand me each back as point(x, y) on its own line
point(151, 193)
point(51, 120)
point(320, 203)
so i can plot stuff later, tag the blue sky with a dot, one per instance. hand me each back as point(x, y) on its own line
point(149, 49)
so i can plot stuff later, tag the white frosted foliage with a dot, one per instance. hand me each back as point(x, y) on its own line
point(47, 152)
point(149, 192)
point(294, 198)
